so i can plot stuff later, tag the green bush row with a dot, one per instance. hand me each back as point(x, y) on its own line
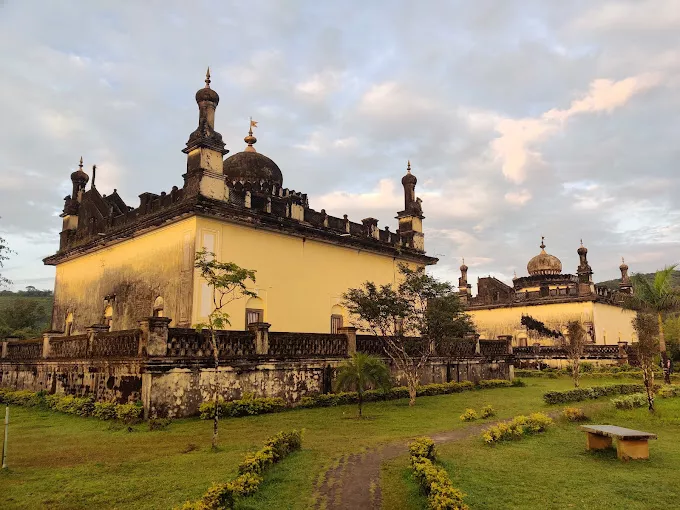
point(630, 401)
point(433, 479)
point(80, 406)
point(516, 428)
point(250, 473)
point(669, 391)
point(261, 405)
point(579, 394)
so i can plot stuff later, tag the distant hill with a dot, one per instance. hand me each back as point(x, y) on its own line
point(25, 313)
point(614, 284)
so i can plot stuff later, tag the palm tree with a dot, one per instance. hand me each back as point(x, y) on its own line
point(656, 297)
point(360, 372)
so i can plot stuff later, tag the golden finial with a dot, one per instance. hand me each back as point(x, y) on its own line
point(207, 78)
point(80, 165)
point(542, 247)
point(408, 166)
point(250, 139)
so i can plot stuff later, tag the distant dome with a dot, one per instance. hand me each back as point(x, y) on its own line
point(544, 263)
point(252, 166)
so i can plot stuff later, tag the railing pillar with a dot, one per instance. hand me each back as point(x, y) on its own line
point(478, 348)
point(154, 339)
point(261, 330)
point(350, 333)
point(508, 339)
point(623, 353)
point(47, 336)
point(92, 332)
point(4, 348)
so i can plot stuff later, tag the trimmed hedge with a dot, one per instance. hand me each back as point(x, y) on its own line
point(433, 479)
point(593, 392)
point(79, 406)
point(517, 427)
point(250, 470)
point(669, 391)
point(630, 401)
point(612, 372)
point(252, 406)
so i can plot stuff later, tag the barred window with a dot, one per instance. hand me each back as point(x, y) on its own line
point(336, 323)
point(254, 315)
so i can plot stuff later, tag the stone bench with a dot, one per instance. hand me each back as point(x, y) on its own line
point(630, 444)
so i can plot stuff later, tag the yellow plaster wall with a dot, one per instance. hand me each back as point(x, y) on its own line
point(613, 324)
point(138, 271)
point(299, 281)
point(507, 321)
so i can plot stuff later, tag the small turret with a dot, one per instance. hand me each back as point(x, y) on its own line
point(584, 272)
point(464, 288)
point(72, 202)
point(626, 286)
point(411, 218)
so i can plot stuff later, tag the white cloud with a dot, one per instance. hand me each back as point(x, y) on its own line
point(631, 15)
point(520, 197)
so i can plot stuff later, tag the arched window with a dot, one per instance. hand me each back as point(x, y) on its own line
point(337, 318)
point(254, 311)
point(108, 316)
point(68, 325)
point(158, 306)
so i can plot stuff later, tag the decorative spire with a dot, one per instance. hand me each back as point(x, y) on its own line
point(250, 139)
point(207, 78)
point(205, 136)
point(94, 175)
point(542, 247)
point(408, 166)
point(80, 165)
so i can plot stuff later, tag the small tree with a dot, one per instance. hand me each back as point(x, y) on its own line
point(657, 297)
point(361, 372)
point(409, 319)
point(227, 282)
point(575, 345)
point(646, 326)
point(4, 255)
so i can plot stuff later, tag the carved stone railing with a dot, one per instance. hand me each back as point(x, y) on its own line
point(116, 344)
point(554, 351)
point(370, 344)
point(24, 350)
point(457, 348)
point(69, 347)
point(300, 345)
point(187, 343)
point(494, 348)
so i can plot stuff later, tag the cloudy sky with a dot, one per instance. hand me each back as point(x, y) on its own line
point(520, 118)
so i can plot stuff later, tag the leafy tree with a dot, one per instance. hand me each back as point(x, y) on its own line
point(4, 255)
point(671, 328)
point(22, 317)
point(646, 326)
point(227, 282)
point(409, 318)
point(575, 345)
point(361, 372)
point(658, 298)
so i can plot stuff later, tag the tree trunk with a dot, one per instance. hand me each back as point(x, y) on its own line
point(575, 371)
point(412, 389)
point(216, 419)
point(664, 354)
point(361, 402)
point(648, 377)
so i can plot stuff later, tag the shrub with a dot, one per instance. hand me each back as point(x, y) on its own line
point(159, 423)
point(243, 407)
point(630, 401)
point(518, 383)
point(129, 413)
point(495, 383)
point(580, 394)
point(105, 410)
point(488, 411)
point(574, 414)
point(433, 479)
point(422, 447)
point(247, 482)
point(586, 367)
point(469, 415)
point(517, 427)
point(669, 391)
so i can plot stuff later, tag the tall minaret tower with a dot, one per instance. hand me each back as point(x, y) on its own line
point(464, 288)
point(205, 148)
point(411, 218)
point(72, 203)
point(584, 272)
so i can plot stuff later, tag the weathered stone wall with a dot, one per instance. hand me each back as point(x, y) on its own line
point(119, 381)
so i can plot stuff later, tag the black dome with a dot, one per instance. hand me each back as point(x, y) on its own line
point(252, 166)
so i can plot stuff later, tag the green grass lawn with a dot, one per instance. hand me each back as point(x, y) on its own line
point(554, 470)
point(62, 461)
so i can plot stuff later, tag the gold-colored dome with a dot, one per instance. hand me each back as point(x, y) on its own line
point(544, 263)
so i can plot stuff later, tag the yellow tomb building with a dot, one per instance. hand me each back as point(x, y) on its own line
point(537, 307)
point(117, 265)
